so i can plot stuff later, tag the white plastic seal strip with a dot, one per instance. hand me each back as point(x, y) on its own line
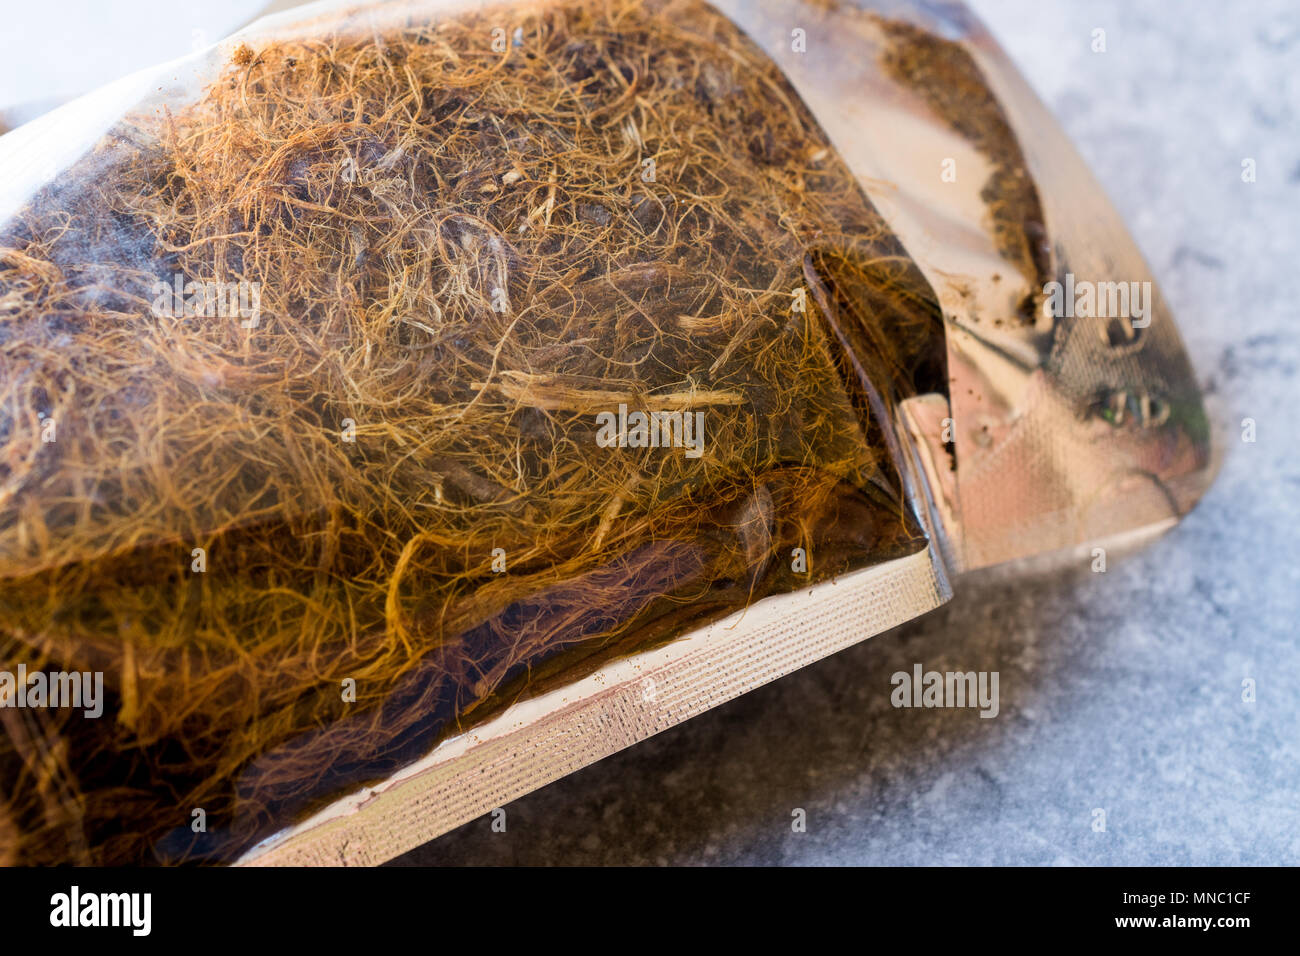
point(539, 741)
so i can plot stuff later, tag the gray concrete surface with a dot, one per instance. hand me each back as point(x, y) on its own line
point(1120, 691)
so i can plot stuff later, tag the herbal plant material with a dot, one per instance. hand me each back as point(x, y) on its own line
point(307, 533)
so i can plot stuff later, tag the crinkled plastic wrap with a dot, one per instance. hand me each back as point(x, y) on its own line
point(405, 404)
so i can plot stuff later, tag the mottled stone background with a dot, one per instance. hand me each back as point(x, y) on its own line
point(1120, 691)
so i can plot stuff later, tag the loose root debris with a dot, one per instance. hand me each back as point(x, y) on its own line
point(389, 475)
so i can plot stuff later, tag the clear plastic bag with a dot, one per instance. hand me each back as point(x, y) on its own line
point(385, 367)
